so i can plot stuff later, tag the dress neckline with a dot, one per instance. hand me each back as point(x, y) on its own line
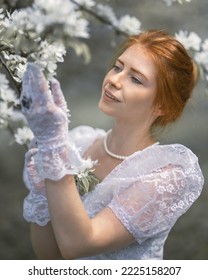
point(122, 162)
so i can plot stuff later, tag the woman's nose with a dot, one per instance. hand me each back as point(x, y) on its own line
point(116, 80)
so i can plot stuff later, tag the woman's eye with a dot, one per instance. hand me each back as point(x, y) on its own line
point(136, 80)
point(116, 68)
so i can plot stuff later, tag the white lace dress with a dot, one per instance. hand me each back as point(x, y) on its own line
point(147, 192)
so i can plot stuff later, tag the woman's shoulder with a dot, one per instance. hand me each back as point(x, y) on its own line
point(177, 149)
point(179, 154)
point(83, 136)
point(170, 163)
point(171, 153)
point(161, 156)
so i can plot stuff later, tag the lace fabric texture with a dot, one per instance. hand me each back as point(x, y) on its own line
point(147, 192)
point(46, 112)
point(54, 164)
point(35, 207)
point(59, 161)
point(47, 115)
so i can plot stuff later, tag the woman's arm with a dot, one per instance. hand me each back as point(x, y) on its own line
point(44, 243)
point(76, 234)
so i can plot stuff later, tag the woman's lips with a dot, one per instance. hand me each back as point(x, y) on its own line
point(111, 96)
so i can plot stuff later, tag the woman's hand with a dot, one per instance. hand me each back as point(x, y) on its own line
point(47, 116)
point(45, 110)
point(30, 172)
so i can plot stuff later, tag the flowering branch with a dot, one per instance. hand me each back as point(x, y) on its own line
point(198, 49)
point(41, 33)
point(100, 16)
point(17, 86)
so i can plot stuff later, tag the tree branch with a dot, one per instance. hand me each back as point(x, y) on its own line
point(100, 18)
point(16, 85)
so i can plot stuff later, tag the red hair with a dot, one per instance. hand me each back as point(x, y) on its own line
point(176, 71)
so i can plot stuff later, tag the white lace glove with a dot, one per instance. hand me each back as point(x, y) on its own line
point(46, 116)
point(35, 206)
point(30, 172)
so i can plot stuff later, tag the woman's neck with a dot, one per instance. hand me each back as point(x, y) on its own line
point(125, 140)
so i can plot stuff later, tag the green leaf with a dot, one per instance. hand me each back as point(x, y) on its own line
point(87, 183)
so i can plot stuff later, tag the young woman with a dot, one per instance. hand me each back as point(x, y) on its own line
point(142, 188)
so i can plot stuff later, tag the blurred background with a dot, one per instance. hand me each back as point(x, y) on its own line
point(81, 84)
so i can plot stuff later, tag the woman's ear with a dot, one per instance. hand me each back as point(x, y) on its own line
point(159, 111)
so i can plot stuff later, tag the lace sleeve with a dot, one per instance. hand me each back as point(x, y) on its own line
point(35, 207)
point(154, 202)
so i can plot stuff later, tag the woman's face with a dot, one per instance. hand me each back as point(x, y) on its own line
point(129, 88)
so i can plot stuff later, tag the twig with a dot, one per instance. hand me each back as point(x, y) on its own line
point(17, 87)
point(9, 127)
point(100, 18)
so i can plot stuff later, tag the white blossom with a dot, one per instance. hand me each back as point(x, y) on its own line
point(47, 55)
point(205, 45)
point(42, 33)
point(8, 100)
point(6, 93)
point(108, 13)
point(20, 69)
point(37, 18)
point(6, 112)
point(130, 25)
point(9, 96)
point(201, 57)
point(170, 2)
point(193, 42)
point(16, 63)
point(1, 14)
point(86, 167)
point(19, 21)
point(66, 14)
point(86, 3)
point(189, 40)
point(23, 135)
point(77, 28)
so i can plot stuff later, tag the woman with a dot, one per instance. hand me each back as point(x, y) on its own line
point(143, 187)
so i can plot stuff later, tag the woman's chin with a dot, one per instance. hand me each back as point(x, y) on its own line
point(106, 109)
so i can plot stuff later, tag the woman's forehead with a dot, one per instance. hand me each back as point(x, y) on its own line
point(137, 58)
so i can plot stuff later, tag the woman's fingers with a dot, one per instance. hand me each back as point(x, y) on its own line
point(58, 95)
point(35, 90)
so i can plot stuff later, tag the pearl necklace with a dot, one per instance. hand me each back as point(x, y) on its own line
point(107, 150)
point(112, 154)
